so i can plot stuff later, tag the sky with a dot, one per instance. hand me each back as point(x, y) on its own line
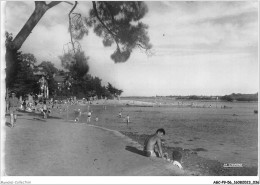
point(199, 47)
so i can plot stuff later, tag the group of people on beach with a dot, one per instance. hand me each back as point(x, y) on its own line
point(14, 104)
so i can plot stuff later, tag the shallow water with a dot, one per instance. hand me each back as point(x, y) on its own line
point(227, 135)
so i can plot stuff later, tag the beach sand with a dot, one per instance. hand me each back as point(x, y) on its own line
point(109, 147)
point(209, 138)
point(56, 147)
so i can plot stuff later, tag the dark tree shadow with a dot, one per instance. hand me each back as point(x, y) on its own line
point(135, 150)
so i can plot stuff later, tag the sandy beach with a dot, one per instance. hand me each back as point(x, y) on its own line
point(59, 146)
point(55, 147)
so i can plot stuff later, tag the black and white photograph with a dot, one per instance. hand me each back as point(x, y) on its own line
point(143, 92)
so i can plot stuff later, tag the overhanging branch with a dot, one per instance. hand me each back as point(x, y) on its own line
point(141, 46)
point(53, 3)
point(111, 15)
point(70, 26)
point(68, 2)
point(100, 20)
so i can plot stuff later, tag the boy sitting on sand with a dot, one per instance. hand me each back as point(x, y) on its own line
point(152, 141)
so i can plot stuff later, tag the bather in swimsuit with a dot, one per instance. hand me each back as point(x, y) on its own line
point(149, 153)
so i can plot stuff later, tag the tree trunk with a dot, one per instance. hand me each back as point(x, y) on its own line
point(40, 9)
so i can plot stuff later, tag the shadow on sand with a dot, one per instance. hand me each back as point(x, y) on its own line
point(8, 114)
point(38, 119)
point(39, 115)
point(8, 124)
point(135, 150)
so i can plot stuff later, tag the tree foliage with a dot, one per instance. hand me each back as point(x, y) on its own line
point(114, 91)
point(76, 63)
point(25, 81)
point(240, 97)
point(119, 22)
point(48, 67)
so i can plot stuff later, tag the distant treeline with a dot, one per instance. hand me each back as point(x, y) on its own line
point(231, 97)
point(240, 97)
point(194, 97)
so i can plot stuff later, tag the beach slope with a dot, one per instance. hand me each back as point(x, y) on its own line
point(54, 147)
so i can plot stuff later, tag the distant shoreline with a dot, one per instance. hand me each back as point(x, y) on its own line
point(230, 98)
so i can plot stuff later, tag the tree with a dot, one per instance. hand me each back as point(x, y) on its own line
point(12, 66)
point(114, 91)
point(76, 63)
point(41, 8)
point(25, 81)
point(48, 67)
point(117, 22)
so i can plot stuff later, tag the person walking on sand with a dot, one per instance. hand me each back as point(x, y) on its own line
point(127, 120)
point(14, 103)
point(24, 105)
point(152, 141)
point(89, 116)
point(44, 108)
